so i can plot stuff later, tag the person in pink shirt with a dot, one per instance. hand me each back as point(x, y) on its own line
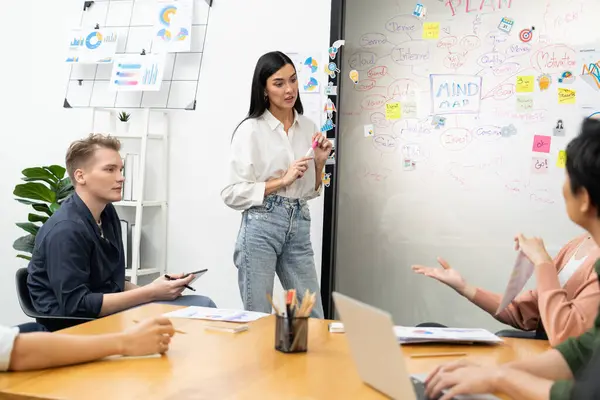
point(564, 304)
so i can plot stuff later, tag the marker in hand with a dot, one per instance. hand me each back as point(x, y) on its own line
point(311, 151)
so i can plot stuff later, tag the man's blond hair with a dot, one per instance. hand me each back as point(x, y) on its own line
point(81, 151)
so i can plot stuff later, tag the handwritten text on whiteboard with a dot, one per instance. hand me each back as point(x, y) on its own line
point(455, 94)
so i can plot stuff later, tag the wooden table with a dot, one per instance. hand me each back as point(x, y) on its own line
point(212, 365)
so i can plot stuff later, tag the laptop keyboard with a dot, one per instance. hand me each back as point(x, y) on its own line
point(420, 390)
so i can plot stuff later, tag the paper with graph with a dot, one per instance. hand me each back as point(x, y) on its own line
point(521, 273)
point(173, 26)
point(92, 46)
point(133, 72)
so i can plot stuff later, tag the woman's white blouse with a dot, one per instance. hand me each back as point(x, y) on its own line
point(261, 150)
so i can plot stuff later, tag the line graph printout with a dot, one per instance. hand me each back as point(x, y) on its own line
point(134, 23)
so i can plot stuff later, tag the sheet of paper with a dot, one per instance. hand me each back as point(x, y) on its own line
point(521, 273)
point(541, 144)
point(561, 162)
point(431, 30)
point(393, 111)
point(421, 335)
point(92, 46)
point(134, 72)
point(409, 109)
point(566, 96)
point(539, 165)
point(173, 26)
point(524, 104)
point(369, 130)
point(525, 83)
point(216, 314)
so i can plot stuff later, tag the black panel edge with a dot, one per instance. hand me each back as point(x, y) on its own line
point(330, 193)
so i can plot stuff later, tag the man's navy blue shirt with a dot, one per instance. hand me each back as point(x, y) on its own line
point(72, 265)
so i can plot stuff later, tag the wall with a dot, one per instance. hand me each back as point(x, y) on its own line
point(202, 230)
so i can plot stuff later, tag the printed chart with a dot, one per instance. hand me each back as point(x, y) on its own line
point(131, 28)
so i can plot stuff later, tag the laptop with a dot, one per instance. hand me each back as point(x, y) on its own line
point(376, 353)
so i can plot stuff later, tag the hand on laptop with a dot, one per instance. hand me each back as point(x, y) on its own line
point(169, 289)
point(461, 377)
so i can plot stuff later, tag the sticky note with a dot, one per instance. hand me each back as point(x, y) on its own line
point(541, 144)
point(393, 111)
point(566, 96)
point(369, 130)
point(409, 109)
point(525, 83)
point(561, 162)
point(524, 103)
point(539, 165)
point(431, 30)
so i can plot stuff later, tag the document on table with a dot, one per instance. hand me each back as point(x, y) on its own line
point(216, 314)
point(521, 273)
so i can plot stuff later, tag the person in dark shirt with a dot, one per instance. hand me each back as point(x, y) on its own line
point(557, 373)
point(78, 263)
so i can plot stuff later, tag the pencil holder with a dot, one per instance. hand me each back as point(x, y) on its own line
point(291, 334)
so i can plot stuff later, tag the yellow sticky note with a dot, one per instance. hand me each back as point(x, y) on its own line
point(393, 111)
point(562, 159)
point(431, 30)
point(525, 83)
point(566, 96)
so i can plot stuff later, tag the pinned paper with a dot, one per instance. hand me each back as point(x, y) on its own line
point(326, 178)
point(544, 81)
point(566, 96)
point(369, 130)
point(525, 83)
point(567, 78)
point(330, 89)
point(559, 129)
point(329, 108)
point(526, 35)
point(431, 30)
point(393, 111)
point(333, 52)
point(541, 144)
point(539, 165)
point(524, 103)
point(353, 76)
point(409, 109)
point(508, 131)
point(420, 11)
point(338, 43)
point(506, 25)
point(331, 158)
point(331, 69)
point(409, 165)
point(438, 121)
point(327, 126)
point(561, 162)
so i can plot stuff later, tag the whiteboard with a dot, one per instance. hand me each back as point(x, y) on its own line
point(473, 158)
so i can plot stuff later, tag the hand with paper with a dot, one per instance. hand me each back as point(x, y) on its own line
point(533, 248)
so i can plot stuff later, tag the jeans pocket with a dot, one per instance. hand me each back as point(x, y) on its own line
point(305, 212)
point(260, 212)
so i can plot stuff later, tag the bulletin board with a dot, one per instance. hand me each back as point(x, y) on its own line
point(133, 21)
point(453, 141)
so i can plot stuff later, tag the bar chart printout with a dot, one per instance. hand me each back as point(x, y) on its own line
point(132, 72)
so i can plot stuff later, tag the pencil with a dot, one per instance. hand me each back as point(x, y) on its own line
point(176, 330)
point(273, 304)
point(424, 355)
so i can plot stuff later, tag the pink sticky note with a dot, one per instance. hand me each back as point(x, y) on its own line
point(541, 144)
point(539, 165)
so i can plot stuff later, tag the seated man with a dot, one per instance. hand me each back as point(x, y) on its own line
point(551, 374)
point(563, 305)
point(78, 264)
point(31, 351)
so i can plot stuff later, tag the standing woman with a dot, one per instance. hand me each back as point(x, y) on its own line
point(272, 175)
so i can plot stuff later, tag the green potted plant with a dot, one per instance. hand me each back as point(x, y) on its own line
point(123, 124)
point(45, 189)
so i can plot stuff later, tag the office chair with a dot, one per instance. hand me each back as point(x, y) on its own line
point(52, 323)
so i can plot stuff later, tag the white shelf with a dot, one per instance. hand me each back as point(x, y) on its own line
point(134, 136)
point(142, 271)
point(145, 203)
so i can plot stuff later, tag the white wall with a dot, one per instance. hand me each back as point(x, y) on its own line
point(202, 230)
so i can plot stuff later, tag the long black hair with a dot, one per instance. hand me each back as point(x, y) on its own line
point(267, 65)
